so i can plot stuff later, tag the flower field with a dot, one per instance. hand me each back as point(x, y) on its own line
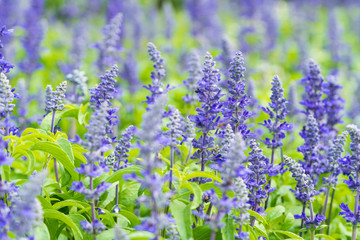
point(179, 119)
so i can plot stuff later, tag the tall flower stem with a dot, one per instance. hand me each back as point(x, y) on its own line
point(302, 220)
point(117, 194)
point(272, 162)
point(172, 152)
point(92, 203)
point(312, 231)
point(356, 210)
point(330, 210)
point(52, 130)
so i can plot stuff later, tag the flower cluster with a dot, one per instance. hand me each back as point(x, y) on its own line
point(350, 165)
point(234, 108)
point(207, 118)
point(79, 88)
point(333, 103)
point(175, 126)
point(195, 75)
point(332, 160)
point(6, 97)
point(314, 89)
point(54, 99)
point(119, 159)
point(349, 215)
point(105, 92)
point(310, 223)
point(157, 86)
point(305, 189)
point(109, 47)
point(277, 112)
point(259, 167)
point(34, 35)
point(129, 72)
point(4, 65)
point(312, 160)
point(26, 210)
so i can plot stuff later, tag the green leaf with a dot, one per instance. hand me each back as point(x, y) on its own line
point(196, 190)
point(228, 230)
point(117, 176)
point(140, 235)
point(182, 215)
point(288, 221)
point(201, 174)
point(204, 233)
point(46, 122)
point(274, 213)
point(261, 229)
point(258, 217)
point(289, 234)
point(57, 152)
point(66, 146)
point(324, 236)
point(42, 232)
point(51, 213)
point(70, 203)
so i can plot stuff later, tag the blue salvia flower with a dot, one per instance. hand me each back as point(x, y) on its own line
point(175, 126)
point(79, 41)
point(312, 97)
point(150, 134)
point(172, 232)
point(304, 192)
point(241, 207)
point(292, 101)
point(4, 65)
point(334, 33)
point(79, 86)
point(24, 100)
point(234, 108)
point(110, 46)
point(250, 92)
point(204, 20)
point(231, 169)
point(277, 112)
point(6, 106)
point(310, 149)
point(122, 149)
point(305, 189)
point(26, 208)
point(5, 218)
point(96, 137)
point(169, 19)
point(225, 59)
point(194, 69)
point(6, 97)
point(5, 158)
point(256, 182)
point(332, 159)
point(105, 91)
point(129, 72)
point(351, 167)
point(54, 99)
point(207, 117)
point(157, 76)
point(33, 37)
point(97, 127)
point(333, 103)
point(8, 14)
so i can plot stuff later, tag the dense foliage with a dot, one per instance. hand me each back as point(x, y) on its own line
point(130, 119)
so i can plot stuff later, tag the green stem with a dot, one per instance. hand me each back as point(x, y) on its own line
point(272, 162)
point(330, 211)
point(92, 203)
point(312, 231)
point(171, 166)
point(355, 214)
